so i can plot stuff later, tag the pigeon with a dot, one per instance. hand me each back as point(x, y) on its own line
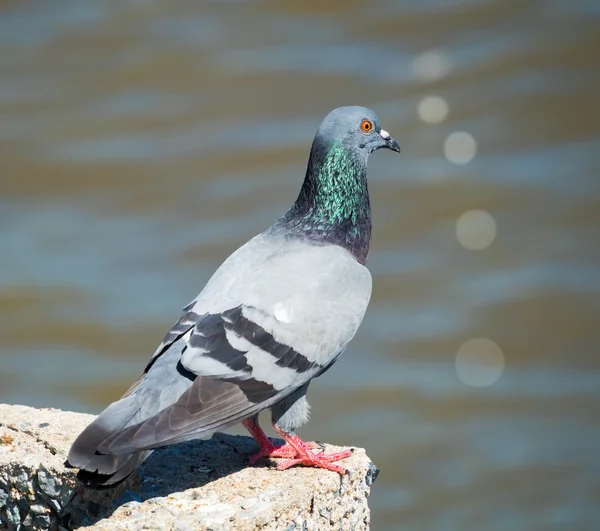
point(276, 314)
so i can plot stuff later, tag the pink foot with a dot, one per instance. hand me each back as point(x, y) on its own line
point(295, 450)
point(267, 448)
point(285, 450)
point(305, 457)
point(318, 460)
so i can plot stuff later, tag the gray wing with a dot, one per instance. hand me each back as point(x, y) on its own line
point(274, 316)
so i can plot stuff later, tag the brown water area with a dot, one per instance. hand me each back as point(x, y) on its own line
point(142, 141)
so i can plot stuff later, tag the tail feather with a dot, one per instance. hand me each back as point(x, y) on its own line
point(122, 465)
point(97, 470)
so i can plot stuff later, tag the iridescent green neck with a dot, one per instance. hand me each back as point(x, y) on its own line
point(340, 187)
point(333, 205)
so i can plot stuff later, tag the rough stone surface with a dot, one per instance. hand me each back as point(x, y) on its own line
point(200, 485)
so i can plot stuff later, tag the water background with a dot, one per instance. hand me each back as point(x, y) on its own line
point(142, 141)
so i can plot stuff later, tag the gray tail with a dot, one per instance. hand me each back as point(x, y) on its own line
point(121, 465)
point(98, 470)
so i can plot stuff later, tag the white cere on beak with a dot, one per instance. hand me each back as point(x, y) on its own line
point(384, 134)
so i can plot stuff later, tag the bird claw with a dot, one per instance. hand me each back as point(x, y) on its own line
point(320, 460)
point(336, 456)
point(274, 451)
point(285, 451)
point(294, 451)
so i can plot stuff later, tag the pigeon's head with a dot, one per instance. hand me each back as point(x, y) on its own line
point(357, 128)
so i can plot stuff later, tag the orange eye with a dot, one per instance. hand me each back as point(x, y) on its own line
point(366, 126)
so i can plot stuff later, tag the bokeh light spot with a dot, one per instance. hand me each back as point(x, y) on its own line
point(479, 362)
point(476, 229)
point(431, 65)
point(460, 147)
point(433, 109)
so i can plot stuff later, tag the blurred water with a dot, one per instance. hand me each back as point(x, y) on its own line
point(141, 142)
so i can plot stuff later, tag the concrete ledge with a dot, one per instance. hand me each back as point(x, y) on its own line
point(195, 485)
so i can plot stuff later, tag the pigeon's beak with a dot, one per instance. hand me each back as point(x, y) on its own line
point(390, 143)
